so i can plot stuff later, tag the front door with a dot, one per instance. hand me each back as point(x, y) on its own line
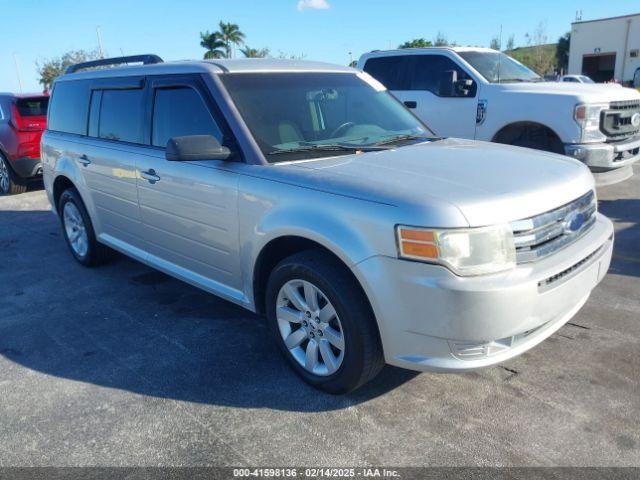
point(449, 112)
point(189, 209)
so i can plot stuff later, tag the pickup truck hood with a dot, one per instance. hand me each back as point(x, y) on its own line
point(585, 92)
point(488, 183)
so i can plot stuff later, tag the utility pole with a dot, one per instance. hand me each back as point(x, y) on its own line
point(350, 58)
point(99, 41)
point(15, 61)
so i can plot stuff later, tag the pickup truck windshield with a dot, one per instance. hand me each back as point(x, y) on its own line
point(297, 116)
point(497, 67)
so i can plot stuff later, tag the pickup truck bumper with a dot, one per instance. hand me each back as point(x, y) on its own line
point(432, 320)
point(606, 156)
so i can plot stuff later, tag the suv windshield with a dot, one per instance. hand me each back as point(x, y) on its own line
point(295, 116)
point(496, 67)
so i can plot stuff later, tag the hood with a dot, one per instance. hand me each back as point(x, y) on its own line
point(585, 92)
point(487, 183)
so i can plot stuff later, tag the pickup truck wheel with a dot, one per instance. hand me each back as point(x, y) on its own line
point(8, 183)
point(323, 323)
point(78, 230)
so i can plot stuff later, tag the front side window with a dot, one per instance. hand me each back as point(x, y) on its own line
point(437, 74)
point(295, 116)
point(181, 111)
point(121, 116)
point(496, 67)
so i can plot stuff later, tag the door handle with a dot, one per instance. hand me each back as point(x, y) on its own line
point(84, 160)
point(150, 176)
point(411, 104)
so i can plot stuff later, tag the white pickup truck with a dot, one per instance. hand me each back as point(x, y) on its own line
point(482, 94)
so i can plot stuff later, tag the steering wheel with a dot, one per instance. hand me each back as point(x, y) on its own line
point(342, 129)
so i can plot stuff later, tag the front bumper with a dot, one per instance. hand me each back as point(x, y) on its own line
point(606, 155)
point(432, 320)
point(27, 167)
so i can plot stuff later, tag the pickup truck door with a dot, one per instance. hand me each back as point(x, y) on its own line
point(449, 111)
point(189, 209)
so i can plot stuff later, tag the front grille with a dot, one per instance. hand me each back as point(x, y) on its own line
point(544, 234)
point(615, 122)
point(563, 275)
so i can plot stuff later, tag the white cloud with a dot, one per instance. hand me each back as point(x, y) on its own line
point(313, 5)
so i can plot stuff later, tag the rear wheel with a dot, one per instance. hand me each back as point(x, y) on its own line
point(323, 323)
point(78, 230)
point(8, 183)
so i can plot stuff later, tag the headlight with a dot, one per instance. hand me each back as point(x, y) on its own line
point(588, 117)
point(468, 251)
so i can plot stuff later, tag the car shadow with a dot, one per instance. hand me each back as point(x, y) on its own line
point(626, 252)
point(125, 326)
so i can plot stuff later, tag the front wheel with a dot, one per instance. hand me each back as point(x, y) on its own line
point(323, 323)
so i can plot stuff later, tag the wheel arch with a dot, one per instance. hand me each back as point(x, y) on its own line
point(512, 130)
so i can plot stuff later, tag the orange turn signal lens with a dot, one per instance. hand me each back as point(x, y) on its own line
point(415, 243)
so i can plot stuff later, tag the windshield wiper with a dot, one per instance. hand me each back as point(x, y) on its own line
point(334, 147)
point(400, 138)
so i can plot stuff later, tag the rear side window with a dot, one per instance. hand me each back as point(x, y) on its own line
point(181, 111)
point(388, 71)
point(121, 116)
point(69, 106)
point(32, 107)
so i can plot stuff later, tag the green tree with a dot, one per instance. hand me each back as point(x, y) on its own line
point(231, 35)
point(562, 52)
point(495, 43)
point(50, 69)
point(213, 44)
point(249, 52)
point(511, 43)
point(416, 43)
point(440, 40)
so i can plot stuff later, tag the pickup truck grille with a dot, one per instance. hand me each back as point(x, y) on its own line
point(615, 122)
point(544, 234)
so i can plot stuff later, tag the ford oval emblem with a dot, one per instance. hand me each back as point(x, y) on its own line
point(573, 222)
point(635, 120)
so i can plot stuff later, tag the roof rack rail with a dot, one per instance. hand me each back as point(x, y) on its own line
point(147, 59)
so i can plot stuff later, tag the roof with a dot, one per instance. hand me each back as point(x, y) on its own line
point(605, 19)
point(23, 95)
point(400, 51)
point(221, 66)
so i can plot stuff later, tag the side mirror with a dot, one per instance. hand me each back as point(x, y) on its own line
point(196, 147)
point(463, 88)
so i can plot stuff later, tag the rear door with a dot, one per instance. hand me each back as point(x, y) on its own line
point(116, 138)
point(189, 209)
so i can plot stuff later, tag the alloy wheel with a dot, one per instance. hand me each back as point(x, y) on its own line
point(75, 229)
point(4, 177)
point(310, 327)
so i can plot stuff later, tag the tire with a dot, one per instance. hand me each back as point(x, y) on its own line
point(361, 357)
point(75, 219)
point(9, 184)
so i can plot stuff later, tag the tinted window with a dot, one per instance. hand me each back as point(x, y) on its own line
point(433, 73)
point(32, 107)
point(388, 71)
point(69, 105)
point(178, 112)
point(569, 79)
point(121, 115)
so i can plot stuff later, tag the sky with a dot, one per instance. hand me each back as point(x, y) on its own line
point(324, 30)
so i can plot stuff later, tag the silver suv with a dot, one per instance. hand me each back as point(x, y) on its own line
point(307, 192)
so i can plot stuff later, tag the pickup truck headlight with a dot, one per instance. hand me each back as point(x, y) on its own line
point(587, 117)
point(464, 251)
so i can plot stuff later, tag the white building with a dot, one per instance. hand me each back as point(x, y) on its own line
point(606, 49)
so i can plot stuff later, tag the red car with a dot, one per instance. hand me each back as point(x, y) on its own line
point(23, 118)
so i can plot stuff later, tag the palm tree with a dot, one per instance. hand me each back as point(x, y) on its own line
point(249, 52)
point(213, 44)
point(230, 34)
